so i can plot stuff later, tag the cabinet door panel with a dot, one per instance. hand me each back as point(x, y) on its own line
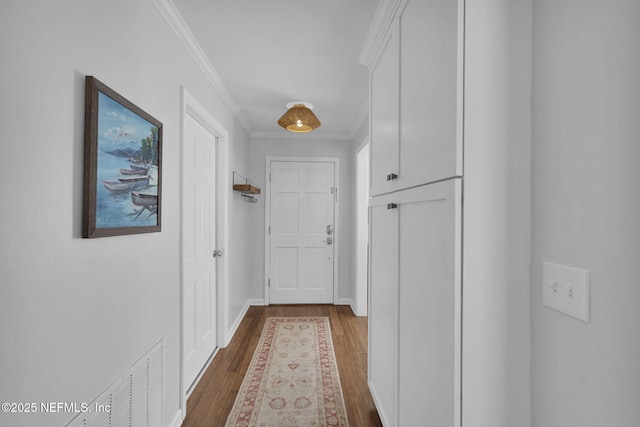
point(385, 81)
point(383, 309)
point(429, 306)
point(415, 305)
point(430, 131)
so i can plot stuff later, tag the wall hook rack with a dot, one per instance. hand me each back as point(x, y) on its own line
point(247, 188)
point(249, 198)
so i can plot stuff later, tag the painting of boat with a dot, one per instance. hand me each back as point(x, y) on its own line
point(145, 202)
point(134, 178)
point(141, 171)
point(118, 186)
point(138, 167)
point(143, 199)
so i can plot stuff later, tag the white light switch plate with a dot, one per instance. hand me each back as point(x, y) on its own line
point(566, 289)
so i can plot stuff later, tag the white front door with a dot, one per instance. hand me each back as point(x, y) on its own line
point(199, 243)
point(301, 232)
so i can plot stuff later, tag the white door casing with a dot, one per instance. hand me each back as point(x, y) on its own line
point(301, 232)
point(362, 230)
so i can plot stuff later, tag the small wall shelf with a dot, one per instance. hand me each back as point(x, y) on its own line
point(246, 187)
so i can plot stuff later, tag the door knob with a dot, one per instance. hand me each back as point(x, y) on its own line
point(217, 253)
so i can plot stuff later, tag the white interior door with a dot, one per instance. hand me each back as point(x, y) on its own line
point(199, 244)
point(302, 232)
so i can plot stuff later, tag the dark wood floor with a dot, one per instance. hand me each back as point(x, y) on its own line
point(212, 399)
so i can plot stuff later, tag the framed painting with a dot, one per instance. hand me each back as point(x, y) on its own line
point(122, 165)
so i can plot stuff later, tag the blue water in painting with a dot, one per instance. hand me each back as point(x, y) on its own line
point(120, 130)
point(117, 210)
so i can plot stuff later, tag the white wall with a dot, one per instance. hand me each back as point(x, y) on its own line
point(77, 313)
point(260, 148)
point(586, 206)
point(496, 210)
point(240, 239)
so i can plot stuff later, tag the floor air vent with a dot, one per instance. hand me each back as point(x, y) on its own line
point(136, 399)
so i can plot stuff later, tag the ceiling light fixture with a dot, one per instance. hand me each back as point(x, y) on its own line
point(299, 118)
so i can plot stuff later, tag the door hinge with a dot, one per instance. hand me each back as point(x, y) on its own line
point(334, 191)
point(269, 176)
point(269, 230)
point(268, 283)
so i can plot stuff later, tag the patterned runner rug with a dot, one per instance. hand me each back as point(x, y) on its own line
point(292, 379)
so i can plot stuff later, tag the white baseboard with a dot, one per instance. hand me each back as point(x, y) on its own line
point(344, 301)
point(376, 402)
point(354, 309)
point(177, 419)
point(358, 312)
point(236, 323)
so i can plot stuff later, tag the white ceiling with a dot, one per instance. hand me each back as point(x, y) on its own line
point(270, 52)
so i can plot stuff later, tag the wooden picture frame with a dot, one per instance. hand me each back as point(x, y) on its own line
point(122, 165)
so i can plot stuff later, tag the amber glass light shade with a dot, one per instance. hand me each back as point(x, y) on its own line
point(299, 118)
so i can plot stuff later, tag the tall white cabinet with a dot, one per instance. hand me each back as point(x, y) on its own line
point(415, 301)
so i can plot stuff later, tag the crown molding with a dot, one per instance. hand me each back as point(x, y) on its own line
point(168, 10)
point(382, 20)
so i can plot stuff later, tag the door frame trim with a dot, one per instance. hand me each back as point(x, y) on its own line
point(363, 181)
point(190, 106)
point(267, 218)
